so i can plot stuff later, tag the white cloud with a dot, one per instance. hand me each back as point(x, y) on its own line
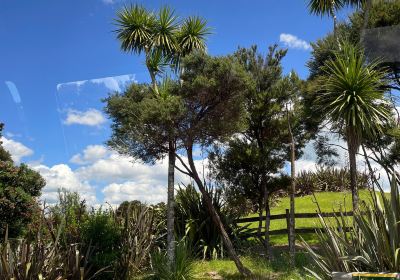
point(91, 117)
point(90, 154)
point(62, 176)
point(108, 1)
point(293, 42)
point(16, 149)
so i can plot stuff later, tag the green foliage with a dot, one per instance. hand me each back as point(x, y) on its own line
point(181, 269)
point(194, 222)
point(373, 245)
point(42, 256)
point(143, 124)
point(138, 236)
point(163, 36)
point(382, 13)
point(351, 95)
point(248, 160)
point(101, 231)
point(72, 213)
point(19, 188)
point(213, 91)
point(328, 179)
point(4, 155)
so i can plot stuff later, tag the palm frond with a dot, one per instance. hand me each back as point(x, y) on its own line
point(192, 35)
point(135, 28)
point(352, 93)
point(325, 7)
point(166, 29)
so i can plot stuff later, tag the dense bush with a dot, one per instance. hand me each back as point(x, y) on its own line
point(102, 232)
point(71, 212)
point(328, 179)
point(138, 236)
point(19, 188)
point(194, 221)
point(44, 258)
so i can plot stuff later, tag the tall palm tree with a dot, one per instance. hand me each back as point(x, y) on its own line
point(163, 40)
point(352, 100)
point(331, 7)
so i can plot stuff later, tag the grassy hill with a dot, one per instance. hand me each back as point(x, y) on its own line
point(327, 201)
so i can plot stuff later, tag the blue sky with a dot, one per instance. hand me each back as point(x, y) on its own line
point(59, 58)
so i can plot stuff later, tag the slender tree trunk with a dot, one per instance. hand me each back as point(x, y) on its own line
point(292, 205)
point(268, 248)
point(260, 212)
point(334, 25)
point(214, 215)
point(352, 147)
point(334, 19)
point(292, 191)
point(151, 72)
point(171, 204)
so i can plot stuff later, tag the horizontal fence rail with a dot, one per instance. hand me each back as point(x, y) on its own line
point(254, 231)
point(285, 231)
point(296, 216)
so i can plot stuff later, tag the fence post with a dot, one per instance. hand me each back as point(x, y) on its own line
point(289, 230)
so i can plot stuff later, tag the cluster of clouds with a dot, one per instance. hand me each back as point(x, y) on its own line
point(102, 176)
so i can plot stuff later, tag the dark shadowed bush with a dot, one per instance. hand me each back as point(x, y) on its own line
point(193, 221)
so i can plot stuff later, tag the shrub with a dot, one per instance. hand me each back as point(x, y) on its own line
point(72, 212)
point(193, 221)
point(19, 188)
point(39, 258)
point(137, 240)
point(102, 232)
point(373, 245)
point(181, 269)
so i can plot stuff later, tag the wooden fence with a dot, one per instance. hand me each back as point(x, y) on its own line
point(286, 216)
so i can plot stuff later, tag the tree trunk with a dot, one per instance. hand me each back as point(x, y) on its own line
point(268, 248)
point(154, 82)
point(292, 191)
point(214, 215)
point(334, 19)
point(353, 147)
point(260, 212)
point(292, 206)
point(171, 204)
point(152, 74)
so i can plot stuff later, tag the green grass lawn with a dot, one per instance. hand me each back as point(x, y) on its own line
point(260, 267)
point(327, 201)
